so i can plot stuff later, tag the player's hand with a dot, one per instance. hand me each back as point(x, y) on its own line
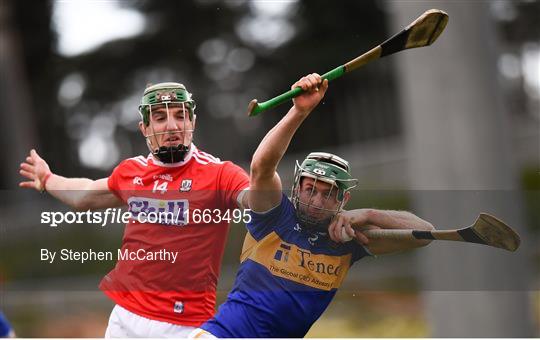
point(314, 89)
point(36, 170)
point(340, 229)
point(360, 237)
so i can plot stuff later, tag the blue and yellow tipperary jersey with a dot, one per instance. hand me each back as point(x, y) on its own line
point(286, 279)
point(5, 327)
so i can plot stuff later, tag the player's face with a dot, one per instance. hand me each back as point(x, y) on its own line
point(317, 199)
point(170, 125)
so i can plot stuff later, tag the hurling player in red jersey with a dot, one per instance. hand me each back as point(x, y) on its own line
point(164, 282)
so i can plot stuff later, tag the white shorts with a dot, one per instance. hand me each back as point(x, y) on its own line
point(125, 324)
point(201, 334)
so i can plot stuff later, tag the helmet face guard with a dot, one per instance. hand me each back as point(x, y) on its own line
point(170, 104)
point(327, 168)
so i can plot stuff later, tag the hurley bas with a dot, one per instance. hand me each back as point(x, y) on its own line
point(83, 256)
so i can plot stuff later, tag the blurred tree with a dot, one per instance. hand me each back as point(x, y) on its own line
point(519, 23)
point(27, 87)
point(170, 49)
point(359, 107)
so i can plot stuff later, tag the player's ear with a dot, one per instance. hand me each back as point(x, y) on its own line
point(142, 128)
point(346, 198)
point(194, 120)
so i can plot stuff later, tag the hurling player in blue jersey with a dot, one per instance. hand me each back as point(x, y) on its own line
point(5, 328)
point(294, 258)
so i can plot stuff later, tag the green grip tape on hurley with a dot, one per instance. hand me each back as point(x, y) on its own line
point(282, 98)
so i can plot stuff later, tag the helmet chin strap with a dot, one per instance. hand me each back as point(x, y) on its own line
point(171, 154)
point(168, 154)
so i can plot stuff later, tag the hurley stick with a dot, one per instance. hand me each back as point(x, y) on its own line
point(421, 32)
point(487, 230)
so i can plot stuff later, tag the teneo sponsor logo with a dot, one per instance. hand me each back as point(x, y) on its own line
point(305, 261)
point(149, 210)
point(316, 266)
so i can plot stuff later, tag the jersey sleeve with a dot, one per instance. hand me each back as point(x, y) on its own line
point(358, 252)
point(233, 181)
point(114, 180)
point(263, 224)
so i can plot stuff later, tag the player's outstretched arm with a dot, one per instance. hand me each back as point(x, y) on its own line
point(78, 193)
point(265, 184)
point(364, 219)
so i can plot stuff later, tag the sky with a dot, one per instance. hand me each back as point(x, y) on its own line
point(84, 25)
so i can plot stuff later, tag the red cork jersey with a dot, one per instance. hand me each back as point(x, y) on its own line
point(184, 209)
